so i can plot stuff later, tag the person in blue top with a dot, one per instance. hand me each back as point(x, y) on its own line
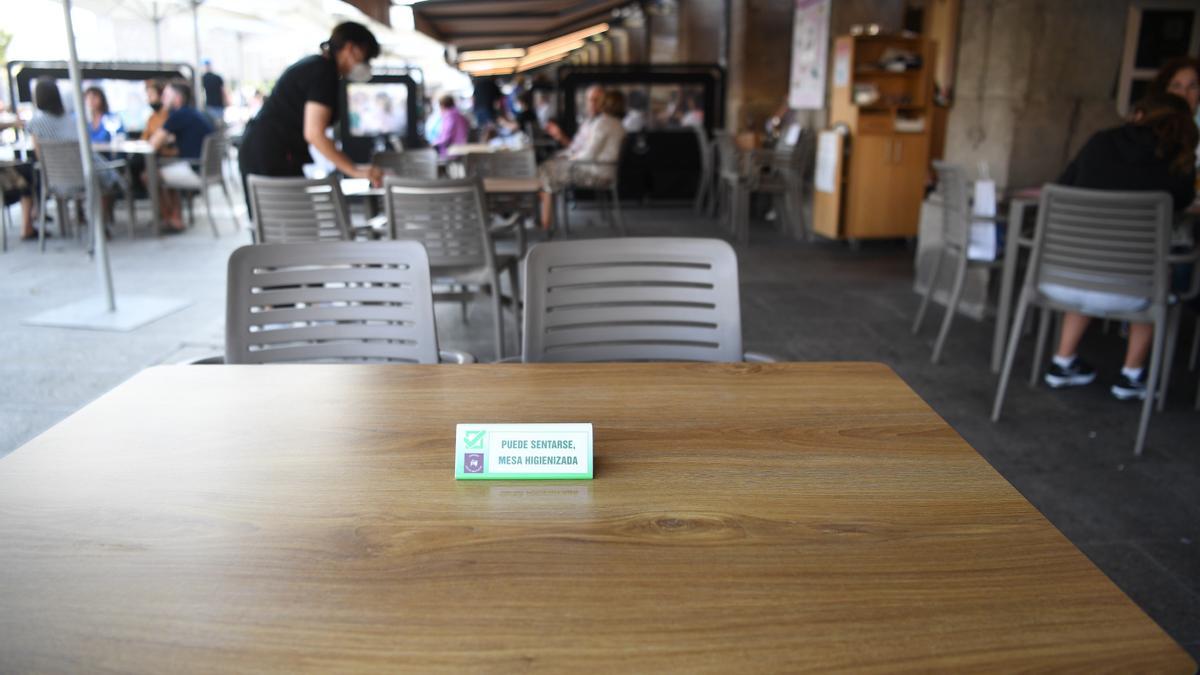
point(101, 121)
point(185, 128)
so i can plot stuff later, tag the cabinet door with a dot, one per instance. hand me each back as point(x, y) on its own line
point(910, 164)
point(869, 196)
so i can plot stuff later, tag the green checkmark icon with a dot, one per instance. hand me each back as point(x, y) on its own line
point(473, 440)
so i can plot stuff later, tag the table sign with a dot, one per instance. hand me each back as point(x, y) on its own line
point(523, 451)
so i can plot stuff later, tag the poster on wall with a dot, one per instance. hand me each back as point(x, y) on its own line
point(810, 42)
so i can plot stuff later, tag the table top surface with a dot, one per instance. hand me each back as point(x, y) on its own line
point(134, 147)
point(461, 149)
point(743, 517)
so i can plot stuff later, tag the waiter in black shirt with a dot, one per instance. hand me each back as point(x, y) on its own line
point(303, 104)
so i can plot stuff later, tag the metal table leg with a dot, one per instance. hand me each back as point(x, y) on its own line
point(1012, 244)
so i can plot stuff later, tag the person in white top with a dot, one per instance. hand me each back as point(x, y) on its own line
point(591, 157)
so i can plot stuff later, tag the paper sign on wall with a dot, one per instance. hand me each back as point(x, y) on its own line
point(523, 451)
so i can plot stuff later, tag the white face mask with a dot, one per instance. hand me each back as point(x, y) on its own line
point(360, 72)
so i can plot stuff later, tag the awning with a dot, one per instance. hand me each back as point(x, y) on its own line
point(488, 24)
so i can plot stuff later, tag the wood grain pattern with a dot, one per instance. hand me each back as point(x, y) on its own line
point(744, 517)
point(504, 186)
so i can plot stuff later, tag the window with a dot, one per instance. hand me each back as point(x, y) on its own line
point(1156, 31)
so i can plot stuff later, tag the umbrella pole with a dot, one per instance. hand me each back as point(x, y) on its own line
point(99, 241)
point(196, 42)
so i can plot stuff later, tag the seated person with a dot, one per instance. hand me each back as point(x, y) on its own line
point(597, 142)
point(96, 104)
point(453, 127)
point(52, 124)
point(185, 127)
point(158, 115)
point(1154, 152)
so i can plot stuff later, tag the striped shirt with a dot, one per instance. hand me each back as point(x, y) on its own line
point(53, 128)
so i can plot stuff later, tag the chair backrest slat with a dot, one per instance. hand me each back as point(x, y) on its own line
point(502, 164)
point(447, 216)
point(956, 209)
point(644, 299)
point(330, 301)
point(290, 210)
point(418, 163)
point(1103, 240)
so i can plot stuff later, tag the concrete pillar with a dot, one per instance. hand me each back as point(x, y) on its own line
point(1035, 79)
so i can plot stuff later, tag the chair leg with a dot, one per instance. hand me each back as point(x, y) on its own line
point(42, 220)
point(743, 220)
point(951, 308)
point(498, 321)
point(1039, 346)
point(1173, 315)
point(1156, 358)
point(1010, 355)
point(1195, 343)
point(930, 285)
point(208, 209)
point(237, 222)
point(616, 211)
point(514, 283)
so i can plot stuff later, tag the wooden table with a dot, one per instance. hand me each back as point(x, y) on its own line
point(744, 517)
point(511, 186)
point(361, 187)
point(464, 149)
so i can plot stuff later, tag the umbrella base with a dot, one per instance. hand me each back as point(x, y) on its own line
point(133, 311)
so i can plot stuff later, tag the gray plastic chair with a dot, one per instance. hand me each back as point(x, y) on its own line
point(704, 186)
point(603, 179)
point(502, 164)
point(419, 163)
point(956, 239)
point(211, 172)
point(733, 187)
point(331, 302)
point(1097, 240)
point(507, 164)
point(643, 299)
point(291, 210)
point(62, 178)
point(448, 218)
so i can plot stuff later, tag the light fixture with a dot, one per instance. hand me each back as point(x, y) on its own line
point(482, 54)
point(488, 64)
point(569, 38)
point(527, 64)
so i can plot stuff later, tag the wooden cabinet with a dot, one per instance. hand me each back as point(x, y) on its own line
point(887, 128)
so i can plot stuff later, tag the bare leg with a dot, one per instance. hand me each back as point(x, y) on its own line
point(547, 200)
point(1140, 335)
point(27, 216)
point(1073, 326)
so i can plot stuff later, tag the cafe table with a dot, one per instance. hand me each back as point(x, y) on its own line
point(153, 180)
point(743, 518)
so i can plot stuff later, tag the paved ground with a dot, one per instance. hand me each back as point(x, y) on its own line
point(1069, 453)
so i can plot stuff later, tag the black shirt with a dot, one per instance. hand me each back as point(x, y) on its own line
point(214, 90)
point(278, 130)
point(1126, 158)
